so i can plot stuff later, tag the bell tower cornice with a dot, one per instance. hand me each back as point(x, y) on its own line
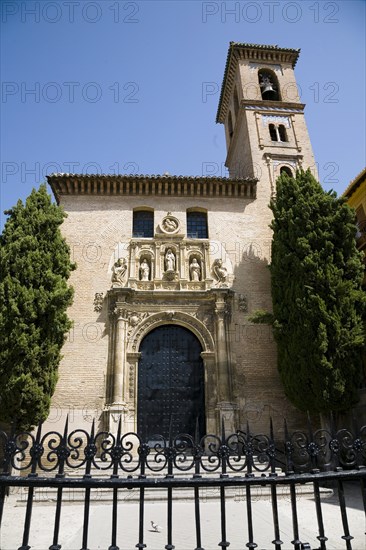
point(265, 54)
point(261, 108)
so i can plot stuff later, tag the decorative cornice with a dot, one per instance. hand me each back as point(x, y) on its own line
point(145, 185)
point(273, 106)
point(254, 52)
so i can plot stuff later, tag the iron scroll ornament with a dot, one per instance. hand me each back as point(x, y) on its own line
point(127, 453)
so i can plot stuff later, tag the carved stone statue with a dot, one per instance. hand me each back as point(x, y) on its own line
point(195, 270)
point(243, 303)
point(220, 271)
point(169, 260)
point(144, 270)
point(119, 271)
point(169, 224)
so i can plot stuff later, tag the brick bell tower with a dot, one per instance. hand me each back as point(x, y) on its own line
point(263, 116)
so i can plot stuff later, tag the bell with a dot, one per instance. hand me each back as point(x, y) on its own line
point(269, 93)
point(267, 90)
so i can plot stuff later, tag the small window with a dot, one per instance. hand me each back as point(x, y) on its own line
point(197, 225)
point(282, 132)
point(361, 222)
point(360, 214)
point(286, 170)
point(272, 132)
point(143, 224)
point(230, 125)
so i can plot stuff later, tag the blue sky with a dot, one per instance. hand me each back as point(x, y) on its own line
point(118, 86)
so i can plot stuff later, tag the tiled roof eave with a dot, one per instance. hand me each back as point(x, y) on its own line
point(354, 184)
point(144, 185)
point(162, 177)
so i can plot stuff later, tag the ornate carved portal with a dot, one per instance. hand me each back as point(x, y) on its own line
point(173, 282)
point(134, 315)
point(171, 262)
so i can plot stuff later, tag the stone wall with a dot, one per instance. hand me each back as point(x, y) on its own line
point(98, 229)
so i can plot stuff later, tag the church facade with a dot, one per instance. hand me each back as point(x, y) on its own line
point(170, 268)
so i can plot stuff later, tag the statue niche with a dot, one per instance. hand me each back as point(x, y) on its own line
point(170, 265)
point(194, 269)
point(144, 270)
point(169, 260)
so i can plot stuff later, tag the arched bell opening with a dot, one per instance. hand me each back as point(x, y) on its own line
point(286, 170)
point(269, 86)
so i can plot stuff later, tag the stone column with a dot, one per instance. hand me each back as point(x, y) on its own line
point(157, 261)
point(210, 390)
point(224, 389)
point(225, 405)
point(182, 263)
point(133, 361)
point(119, 357)
point(118, 407)
point(133, 274)
point(206, 269)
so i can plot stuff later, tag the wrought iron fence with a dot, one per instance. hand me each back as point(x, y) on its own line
point(242, 459)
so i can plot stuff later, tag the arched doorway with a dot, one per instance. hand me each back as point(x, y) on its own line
point(170, 383)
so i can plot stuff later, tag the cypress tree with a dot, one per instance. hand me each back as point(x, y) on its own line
point(34, 296)
point(318, 303)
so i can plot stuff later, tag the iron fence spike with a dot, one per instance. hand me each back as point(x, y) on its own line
point(66, 427)
point(119, 428)
point(197, 435)
point(223, 429)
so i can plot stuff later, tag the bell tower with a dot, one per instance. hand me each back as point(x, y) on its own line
point(260, 107)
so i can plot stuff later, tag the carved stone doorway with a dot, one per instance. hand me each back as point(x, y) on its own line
point(170, 383)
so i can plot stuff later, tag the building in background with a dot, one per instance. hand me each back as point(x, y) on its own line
point(169, 268)
point(356, 197)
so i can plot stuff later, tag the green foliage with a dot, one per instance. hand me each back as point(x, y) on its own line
point(34, 295)
point(262, 317)
point(318, 303)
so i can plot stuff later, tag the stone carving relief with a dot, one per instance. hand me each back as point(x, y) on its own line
point(276, 119)
point(169, 224)
point(98, 302)
point(119, 272)
point(131, 382)
point(205, 315)
point(220, 272)
point(134, 319)
point(174, 317)
point(243, 303)
point(172, 263)
point(273, 67)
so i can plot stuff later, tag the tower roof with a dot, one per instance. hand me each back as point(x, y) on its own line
point(255, 52)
